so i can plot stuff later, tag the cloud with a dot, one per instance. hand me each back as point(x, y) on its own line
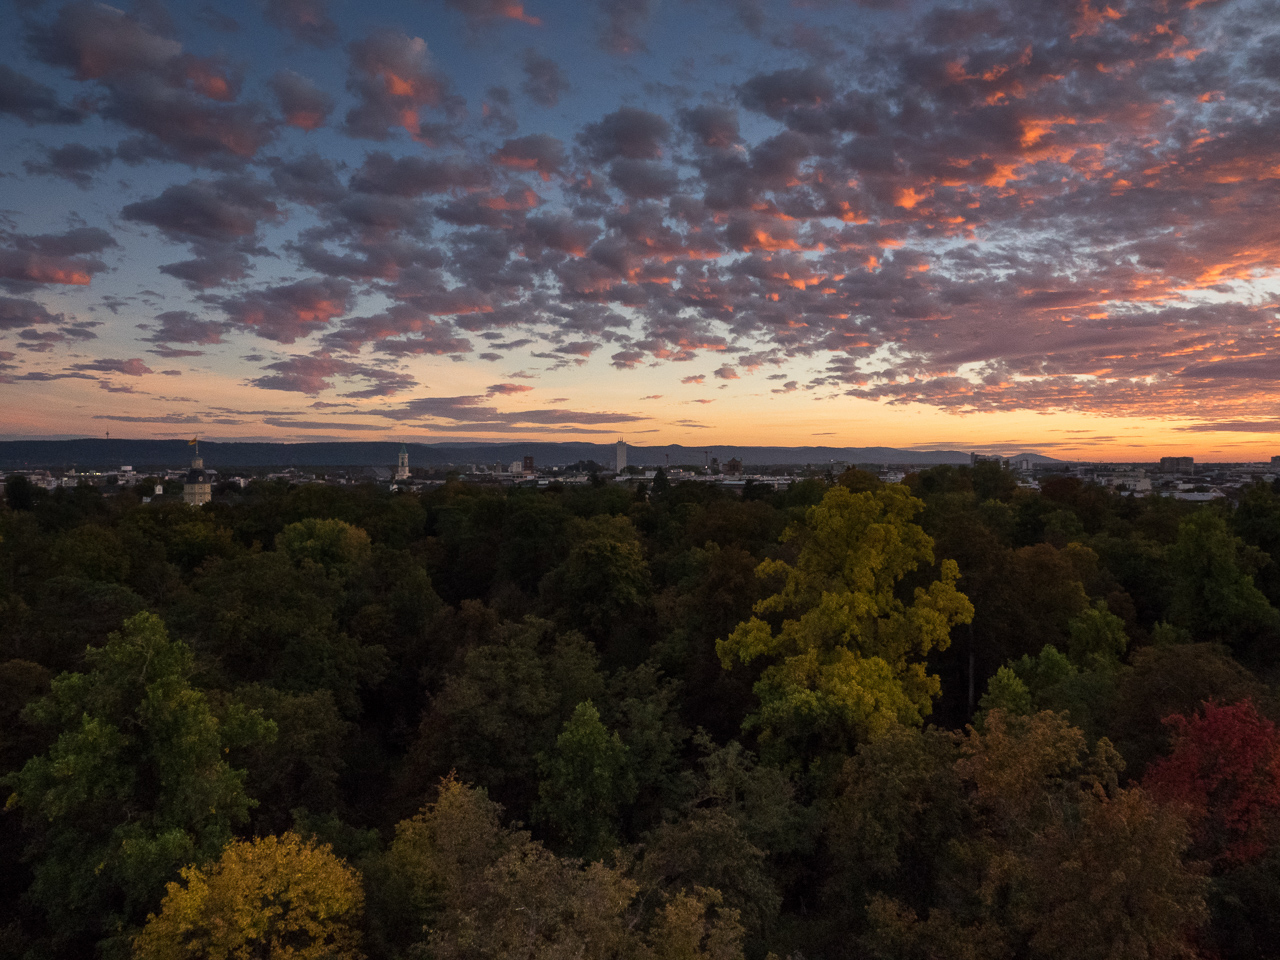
point(392, 75)
point(480, 13)
point(31, 102)
point(773, 94)
point(629, 132)
point(726, 372)
point(74, 162)
point(183, 326)
point(698, 378)
point(623, 24)
point(16, 313)
point(539, 151)
point(317, 372)
point(544, 81)
point(183, 105)
point(286, 312)
point(133, 367)
point(471, 411)
point(303, 104)
point(711, 126)
point(508, 389)
point(307, 21)
point(32, 260)
point(413, 176)
point(219, 218)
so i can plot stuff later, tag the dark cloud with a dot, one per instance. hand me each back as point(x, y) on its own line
point(392, 75)
point(32, 102)
point(310, 179)
point(544, 81)
point(473, 412)
point(215, 19)
point(183, 326)
point(623, 24)
point(539, 151)
point(219, 218)
point(496, 112)
point(289, 311)
point(711, 126)
point(74, 162)
point(629, 132)
point(133, 367)
point(311, 374)
point(643, 179)
point(480, 13)
point(16, 313)
point(32, 260)
point(182, 104)
point(413, 176)
point(403, 329)
point(307, 21)
point(303, 105)
point(773, 94)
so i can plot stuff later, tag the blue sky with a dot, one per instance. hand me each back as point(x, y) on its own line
point(996, 223)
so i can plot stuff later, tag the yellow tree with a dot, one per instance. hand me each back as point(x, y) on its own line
point(846, 661)
point(272, 898)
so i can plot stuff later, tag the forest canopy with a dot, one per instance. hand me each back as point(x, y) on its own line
point(949, 718)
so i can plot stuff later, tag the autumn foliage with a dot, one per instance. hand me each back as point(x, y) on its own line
point(1224, 769)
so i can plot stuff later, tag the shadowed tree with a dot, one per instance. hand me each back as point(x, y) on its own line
point(135, 786)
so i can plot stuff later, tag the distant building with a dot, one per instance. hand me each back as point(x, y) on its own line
point(622, 457)
point(197, 488)
point(734, 467)
point(1177, 465)
point(1275, 461)
point(528, 465)
point(402, 468)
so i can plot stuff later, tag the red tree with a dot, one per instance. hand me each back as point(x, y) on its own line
point(1224, 770)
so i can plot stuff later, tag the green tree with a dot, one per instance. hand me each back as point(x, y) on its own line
point(586, 781)
point(275, 898)
point(847, 661)
point(1214, 596)
point(1097, 638)
point(134, 787)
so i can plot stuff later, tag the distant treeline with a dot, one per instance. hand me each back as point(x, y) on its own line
point(105, 453)
point(948, 719)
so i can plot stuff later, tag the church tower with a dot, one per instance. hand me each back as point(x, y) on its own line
point(402, 469)
point(197, 488)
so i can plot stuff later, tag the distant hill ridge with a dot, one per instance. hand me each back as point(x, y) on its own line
point(99, 453)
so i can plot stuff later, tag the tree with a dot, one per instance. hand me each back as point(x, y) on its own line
point(1224, 771)
point(135, 785)
point(847, 661)
point(278, 898)
point(586, 780)
point(476, 890)
point(1214, 596)
point(1050, 858)
point(1097, 638)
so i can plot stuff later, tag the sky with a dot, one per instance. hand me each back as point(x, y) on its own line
point(1004, 225)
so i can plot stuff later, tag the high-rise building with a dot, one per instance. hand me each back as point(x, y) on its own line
point(1177, 465)
point(402, 469)
point(1275, 461)
point(528, 464)
point(622, 457)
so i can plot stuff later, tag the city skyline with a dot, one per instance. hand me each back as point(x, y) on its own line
point(1013, 225)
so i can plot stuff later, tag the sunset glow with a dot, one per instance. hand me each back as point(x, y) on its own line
point(1020, 225)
